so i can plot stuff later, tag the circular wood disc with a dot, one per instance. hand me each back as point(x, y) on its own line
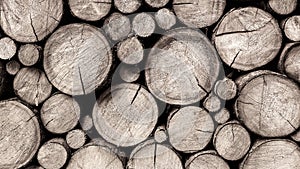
point(165, 18)
point(226, 89)
point(117, 26)
point(76, 138)
point(157, 3)
point(291, 28)
point(19, 135)
point(125, 115)
point(77, 59)
point(269, 105)
point(127, 6)
point(222, 116)
point(12, 67)
point(30, 20)
point(143, 24)
point(199, 13)
point(8, 48)
point(92, 157)
point(182, 67)
point(190, 129)
point(240, 35)
point(130, 51)
point(29, 54)
point(129, 73)
point(275, 153)
point(283, 7)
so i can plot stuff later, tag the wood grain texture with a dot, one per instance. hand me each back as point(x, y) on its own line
point(86, 123)
point(32, 86)
point(240, 35)
point(160, 134)
point(8, 48)
point(20, 134)
point(12, 67)
point(182, 67)
point(222, 116)
point(125, 115)
point(190, 129)
point(29, 54)
point(76, 138)
point(143, 24)
point(30, 20)
point(117, 26)
point(130, 51)
point(226, 89)
point(165, 18)
point(291, 28)
point(60, 113)
point(157, 3)
point(283, 7)
point(212, 103)
point(129, 73)
point(77, 58)
point(199, 13)
point(127, 6)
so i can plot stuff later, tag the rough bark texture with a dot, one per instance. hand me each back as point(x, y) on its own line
point(165, 18)
point(60, 113)
point(157, 3)
point(222, 116)
point(240, 35)
point(29, 54)
point(127, 6)
point(212, 103)
point(283, 7)
point(143, 24)
point(129, 73)
point(12, 67)
point(20, 134)
point(125, 115)
point(30, 20)
point(130, 51)
point(75, 138)
point(226, 89)
point(117, 26)
point(291, 28)
point(160, 134)
point(77, 59)
point(8, 48)
point(32, 86)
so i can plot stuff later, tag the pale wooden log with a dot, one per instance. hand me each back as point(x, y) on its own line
point(125, 115)
point(106, 145)
point(212, 103)
point(291, 27)
point(12, 67)
point(226, 89)
point(30, 20)
point(53, 154)
point(75, 139)
point(60, 113)
point(90, 10)
point(206, 160)
point(95, 156)
point(268, 104)
point(222, 116)
point(32, 86)
point(160, 134)
point(296, 136)
point(130, 51)
point(232, 141)
point(129, 73)
point(190, 129)
point(199, 13)
point(77, 58)
point(87, 123)
point(117, 26)
point(29, 54)
point(157, 3)
point(20, 134)
point(274, 153)
point(240, 35)
point(289, 62)
point(8, 48)
point(127, 6)
point(165, 18)
point(143, 24)
point(182, 67)
point(283, 7)
point(152, 155)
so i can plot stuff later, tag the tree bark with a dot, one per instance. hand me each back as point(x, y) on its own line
point(8, 48)
point(29, 54)
point(143, 24)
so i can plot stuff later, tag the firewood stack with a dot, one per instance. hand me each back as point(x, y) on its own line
point(150, 84)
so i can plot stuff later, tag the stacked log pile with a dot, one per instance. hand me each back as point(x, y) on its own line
point(150, 84)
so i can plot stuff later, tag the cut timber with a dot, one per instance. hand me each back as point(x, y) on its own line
point(86, 123)
point(160, 134)
point(12, 67)
point(222, 116)
point(190, 129)
point(274, 153)
point(127, 6)
point(95, 156)
point(8, 48)
point(76, 138)
point(232, 141)
point(60, 113)
point(182, 67)
point(130, 51)
point(77, 59)
point(117, 26)
point(212, 103)
point(129, 73)
point(20, 134)
point(32, 86)
point(283, 7)
point(143, 24)
point(240, 35)
point(291, 28)
point(296, 136)
point(268, 104)
point(199, 13)
point(165, 18)
point(226, 89)
point(29, 54)
point(152, 155)
point(289, 62)
point(53, 154)
point(30, 20)
point(206, 160)
point(90, 10)
point(125, 115)
point(157, 3)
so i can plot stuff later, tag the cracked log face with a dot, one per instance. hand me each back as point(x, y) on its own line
point(275, 153)
point(269, 105)
point(77, 59)
point(182, 67)
point(240, 35)
point(199, 13)
point(20, 134)
point(30, 20)
point(190, 129)
point(125, 115)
